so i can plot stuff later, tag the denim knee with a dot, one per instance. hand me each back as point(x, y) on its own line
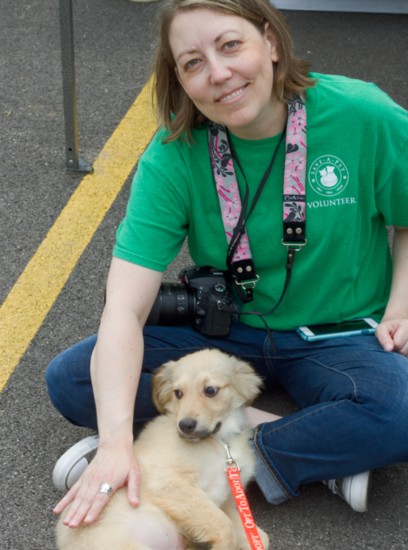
point(52, 381)
point(392, 407)
point(68, 379)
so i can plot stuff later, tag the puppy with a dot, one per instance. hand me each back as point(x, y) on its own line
point(184, 489)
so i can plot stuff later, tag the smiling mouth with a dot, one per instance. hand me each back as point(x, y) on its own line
point(233, 95)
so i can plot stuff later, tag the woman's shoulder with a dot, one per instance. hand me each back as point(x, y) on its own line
point(342, 93)
point(160, 147)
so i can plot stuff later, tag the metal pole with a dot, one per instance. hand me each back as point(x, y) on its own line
point(73, 163)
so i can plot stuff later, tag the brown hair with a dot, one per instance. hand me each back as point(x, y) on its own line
point(175, 108)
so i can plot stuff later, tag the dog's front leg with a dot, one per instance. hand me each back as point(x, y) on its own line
point(231, 510)
point(198, 518)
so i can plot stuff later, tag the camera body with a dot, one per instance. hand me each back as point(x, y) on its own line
point(202, 298)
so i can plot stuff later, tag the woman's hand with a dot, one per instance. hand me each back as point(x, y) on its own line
point(115, 465)
point(393, 334)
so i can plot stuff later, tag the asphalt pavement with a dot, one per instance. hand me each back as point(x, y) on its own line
point(113, 41)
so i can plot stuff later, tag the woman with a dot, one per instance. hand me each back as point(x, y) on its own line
point(231, 63)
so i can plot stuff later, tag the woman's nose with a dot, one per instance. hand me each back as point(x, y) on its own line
point(219, 71)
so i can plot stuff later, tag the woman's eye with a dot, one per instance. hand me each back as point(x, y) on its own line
point(178, 394)
point(211, 391)
point(231, 44)
point(191, 64)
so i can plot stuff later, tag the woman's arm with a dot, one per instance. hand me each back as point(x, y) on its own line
point(392, 332)
point(117, 359)
point(115, 369)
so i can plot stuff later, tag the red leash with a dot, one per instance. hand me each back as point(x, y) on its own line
point(241, 501)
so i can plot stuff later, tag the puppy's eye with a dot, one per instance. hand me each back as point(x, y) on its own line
point(178, 394)
point(211, 391)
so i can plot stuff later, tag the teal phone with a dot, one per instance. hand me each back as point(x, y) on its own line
point(355, 327)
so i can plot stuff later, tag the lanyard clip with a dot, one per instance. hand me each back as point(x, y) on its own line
point(231, 463)
point(297, 247)
point(294, 235)
point(248, 285)
point(245, 277)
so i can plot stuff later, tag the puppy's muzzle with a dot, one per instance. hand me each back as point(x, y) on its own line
point(189, 429)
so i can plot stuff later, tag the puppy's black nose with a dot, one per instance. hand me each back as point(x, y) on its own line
point(187, 425)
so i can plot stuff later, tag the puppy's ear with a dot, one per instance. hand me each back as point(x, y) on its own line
point(162, 387)
point(246, 382)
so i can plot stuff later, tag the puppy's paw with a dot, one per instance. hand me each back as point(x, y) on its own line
point(264, 537)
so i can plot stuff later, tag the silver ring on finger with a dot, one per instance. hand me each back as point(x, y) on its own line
point(106, 489)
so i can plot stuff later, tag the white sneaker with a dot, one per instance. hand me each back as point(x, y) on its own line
point(72, 463)
point(353, 489)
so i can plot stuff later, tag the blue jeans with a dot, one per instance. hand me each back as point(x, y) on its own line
point(351, 394)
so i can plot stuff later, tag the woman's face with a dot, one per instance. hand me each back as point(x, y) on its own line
point(224, 64)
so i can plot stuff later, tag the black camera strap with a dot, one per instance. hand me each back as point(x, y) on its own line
point(243, 271)
point(235, 214)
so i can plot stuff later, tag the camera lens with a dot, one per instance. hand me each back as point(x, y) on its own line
point(174, 305)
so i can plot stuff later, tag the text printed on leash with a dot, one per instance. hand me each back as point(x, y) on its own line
point(244, 510)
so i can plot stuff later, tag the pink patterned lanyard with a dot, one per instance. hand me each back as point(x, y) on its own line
point(294, 179)
point(294, 194)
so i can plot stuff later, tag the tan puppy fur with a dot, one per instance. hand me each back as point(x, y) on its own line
point(184, 489)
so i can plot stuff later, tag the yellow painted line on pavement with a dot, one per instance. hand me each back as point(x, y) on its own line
point(39, 285)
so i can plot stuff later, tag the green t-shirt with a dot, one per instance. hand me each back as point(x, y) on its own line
point(356, 185)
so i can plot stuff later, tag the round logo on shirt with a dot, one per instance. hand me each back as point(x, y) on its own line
point(328, 175)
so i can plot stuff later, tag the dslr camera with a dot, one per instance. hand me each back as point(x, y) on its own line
point(202, 298)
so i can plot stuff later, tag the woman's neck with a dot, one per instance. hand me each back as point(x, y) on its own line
point(265, 127)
